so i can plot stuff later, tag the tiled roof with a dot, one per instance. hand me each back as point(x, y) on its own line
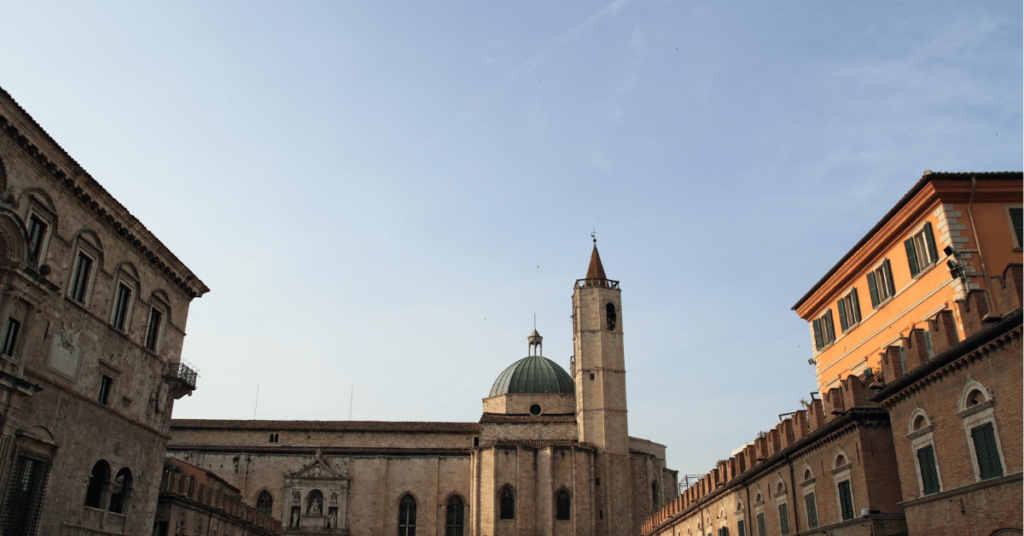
point(925, 179)
point(536, 443)
point(495, 418)
point(596, 269)
point(330, 426)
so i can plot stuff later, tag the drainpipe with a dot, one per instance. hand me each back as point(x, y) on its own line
point(792, 487)
point(993, 313)
point(749, 516)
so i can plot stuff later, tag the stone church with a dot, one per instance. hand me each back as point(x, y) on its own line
point(550, 455)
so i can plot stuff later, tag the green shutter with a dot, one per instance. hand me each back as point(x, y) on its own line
point(888, 277)
point(830, 328)
point(740, 531)
point(911, 257)
point(783, 520)
point(985, 449)
point(929, 475)
point(812, 511)
point(817, 334)
point(846, 500)
point(1018, 227)
point(762, 530)
point(929, 240)
point(854, 306)
point(873, 290)
point(842, 316)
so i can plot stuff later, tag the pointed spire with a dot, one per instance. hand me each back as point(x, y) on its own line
point(596, 270)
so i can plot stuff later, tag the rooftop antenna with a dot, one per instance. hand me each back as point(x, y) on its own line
point(257, 401)
point(351, 397)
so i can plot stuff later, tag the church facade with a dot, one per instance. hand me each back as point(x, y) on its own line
point(551, 454)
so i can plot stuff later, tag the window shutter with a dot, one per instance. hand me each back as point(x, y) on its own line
point(846, 500)
point(929, 239)
point(830, 328)
point(888, 277)
point(1018, 226)
point(784, 520)
point(842, 315)
point(873, 290)
point(812, 511)
point(855, 306)
point(929, 475)
point(985, 449)
point(911, 257)
point(817, 333)
point(762, 530)
point(740, 530)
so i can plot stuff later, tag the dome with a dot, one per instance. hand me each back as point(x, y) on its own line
point(534, 374)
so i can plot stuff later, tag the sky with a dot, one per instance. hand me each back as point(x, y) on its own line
point(383, 195)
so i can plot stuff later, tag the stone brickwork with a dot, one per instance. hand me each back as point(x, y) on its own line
point(90, 379)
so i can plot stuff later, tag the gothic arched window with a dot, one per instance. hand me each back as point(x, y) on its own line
point(407, 516)
point(456, 523)
point(265, 503)
point(610, 313)
point(98, 480)
point(563, 506)
point(508, 504)
point(122, 491)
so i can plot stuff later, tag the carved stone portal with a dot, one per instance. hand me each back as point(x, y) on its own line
point(319, 497)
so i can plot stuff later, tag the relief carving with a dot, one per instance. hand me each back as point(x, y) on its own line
point(65, 352)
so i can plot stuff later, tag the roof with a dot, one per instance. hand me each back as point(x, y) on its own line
point(536, 443)
point(596, 269)
point(533, 374)
point(925, 179)
point(501, 418)
point(327, 426)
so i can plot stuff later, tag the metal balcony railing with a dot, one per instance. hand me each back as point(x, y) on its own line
point(180, 371)
point(600, 283)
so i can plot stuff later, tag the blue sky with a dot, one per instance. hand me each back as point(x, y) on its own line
point(381, 195)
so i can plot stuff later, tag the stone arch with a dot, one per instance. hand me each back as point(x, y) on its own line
point(563, 504)
point(780, 486)
point(92, 239)
point(840, 458)
point(99, 483)
point(12, 237)
point(807, 473)
point(739, 506)
point(918, 420)
point(314, 502)
point(129, 268)
point(758, 498)
point(974, 393)
point(121, 492)
point(506, 501)
point(42, 197)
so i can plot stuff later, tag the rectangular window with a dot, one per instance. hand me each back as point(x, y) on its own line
point(849, 311)
point(36, 233)
point(10, 337)
point(846, 500)
point(106, 384)
point(987, 452)
point(740, 531)
point(921, 250)
point(153, 331)
point(25, 494)
point(824, 330)
point(783, 520)
point(124, 295)
point(929, 475)
point(812, 511)
point(880, 284)
point(1015, 222)
point(81, 278)
point(762, 529)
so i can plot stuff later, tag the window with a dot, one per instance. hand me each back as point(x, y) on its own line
point(121, 300)
point(535, 410)
point(508, 504)
point(563, 506)
point(455, 525)
point(153, 329)
point(36, 234)
point(845, 500)
point(921, 250)
point(740, 530)
point(1014, 213)
point(824, 330)
point(986, 451)
point(80, 278)
point(610, 313)
point(880, 284)
point(849, 311)
point(783, 519)
point(10, 337)
point(121, 491)
point(25, 494)
point(654, 494)
point(106, 384)
point(98, 480)
point(265, 503)
point(812, 511)
point(724, 531)
point(407, 516)
point(929, 476)
point(762, 529)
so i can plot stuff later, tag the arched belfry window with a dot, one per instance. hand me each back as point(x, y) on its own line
point(455, 525)
point(508, 504)
point(265, 503)
point(94, 495)
point(610, 312)
point(563, 506)
point(122, 491)
point(407, 516)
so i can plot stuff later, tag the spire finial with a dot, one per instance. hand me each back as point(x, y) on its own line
point(535, 321)
point(593, 234)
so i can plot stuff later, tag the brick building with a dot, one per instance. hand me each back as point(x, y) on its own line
point(550, 455)
point(93, 310)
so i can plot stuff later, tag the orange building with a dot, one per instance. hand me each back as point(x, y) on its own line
point(951, 233)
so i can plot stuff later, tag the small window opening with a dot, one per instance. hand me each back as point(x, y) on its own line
point(919, 422)
point(152, 332)
point(591, 375)
point(600, 514)
point(610, 312)
point(81, 278)
point(974, 398)
point(807, 475)
point(476, 441)
point(98, 480)
point(124, 294)
point(654, 493)
point(597, 481)
point(106, 384)
point(508, 504)
point(840, 460)
point(10, 337)
point(535, 410)
point(563, 506)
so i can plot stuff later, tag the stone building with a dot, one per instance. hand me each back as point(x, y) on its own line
point(550, 455)
point(93, 310)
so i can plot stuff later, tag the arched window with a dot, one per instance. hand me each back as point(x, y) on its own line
point(122, 491)
point(610, 311)
point(97, 484)
point(265, 503)
point(563, 506)
point(654, 493)
point(508, 504)
point(407, 516)
point(456, 522)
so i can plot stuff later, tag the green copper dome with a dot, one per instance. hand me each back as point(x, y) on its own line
point(534, 374)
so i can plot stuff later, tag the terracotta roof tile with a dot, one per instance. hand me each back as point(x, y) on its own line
point(596, 269)
point(495, 418)
point(536, 443)
point(339, 426)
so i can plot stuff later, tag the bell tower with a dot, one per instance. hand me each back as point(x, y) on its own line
point(600, 376)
